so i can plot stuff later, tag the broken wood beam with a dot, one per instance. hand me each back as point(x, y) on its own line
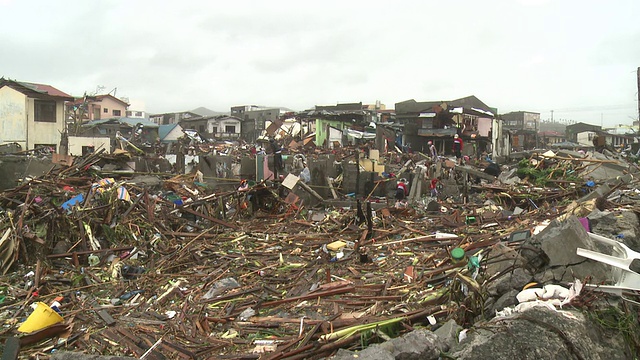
point(311, 296)
point(308, 189)
point(333, 190)
point(474, 172)
point(210, 218)
point(76, 253)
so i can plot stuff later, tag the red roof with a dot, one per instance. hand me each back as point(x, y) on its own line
point(47, 89)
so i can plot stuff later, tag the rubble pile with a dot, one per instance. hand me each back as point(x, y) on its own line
point(177, 270)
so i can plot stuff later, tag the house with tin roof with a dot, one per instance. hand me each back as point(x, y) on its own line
point(140, 132)
point(32, 115)
point(439, 121)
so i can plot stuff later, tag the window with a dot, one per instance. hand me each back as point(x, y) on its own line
point(138, 113)
point(128, 113)
point(105, 110)
point(44, 111)
point(201, 128)
point(116, 112)
point(86, 150)
point(230, 129)
point(214, 129)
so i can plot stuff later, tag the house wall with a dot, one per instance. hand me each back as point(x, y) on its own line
point(111, 104)
point(44, 132)
point(77, 142)
point(531, 121)
point(585, 138)
point(550, 139)
point(522, 120)
point(500, 140)
point(13, 116)
point(322, 129)
point(229, 122)
point(484, 126)
point(174, 134)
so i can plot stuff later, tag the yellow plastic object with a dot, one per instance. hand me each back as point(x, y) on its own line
point(43, 316)
point(336, 245)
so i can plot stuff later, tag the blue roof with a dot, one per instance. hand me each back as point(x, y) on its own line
point(164, 130)
point(123, 120)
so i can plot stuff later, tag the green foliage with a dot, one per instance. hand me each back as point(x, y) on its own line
point(620, 321)
point(540, 176)
point(379, 334)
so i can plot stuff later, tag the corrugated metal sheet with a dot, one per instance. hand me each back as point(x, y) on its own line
point(45, 89)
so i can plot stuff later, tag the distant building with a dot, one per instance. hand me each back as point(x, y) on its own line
point(572, 131)
point(438, 121)
point(33, 115)
point(96, 107)
point(136, 114)
point(138, 131)
point(255, 119)
point(172, 118)
point(549, 138)
point(521, 120)
point(215, 127)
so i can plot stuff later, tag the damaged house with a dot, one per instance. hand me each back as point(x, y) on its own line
point(32, 115)
point(221, 127)
point(523, 127)
point(97, 107)
point(438, 121)
point(256, 119)
point(104, 132)
point(337, 125)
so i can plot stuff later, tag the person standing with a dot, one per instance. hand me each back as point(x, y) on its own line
point(457, 148)
point(305, 174)
point(432, 151)
point(277, 155)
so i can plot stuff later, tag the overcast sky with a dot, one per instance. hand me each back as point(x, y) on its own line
point(578, 58)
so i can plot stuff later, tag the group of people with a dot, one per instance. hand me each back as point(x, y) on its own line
point(402, 185)
point(456, 148)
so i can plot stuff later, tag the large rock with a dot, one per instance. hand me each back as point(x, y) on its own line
point(613, 224)
point(553, 251)
point(416, 345)
point(448, 333)
point(513, 280)
point(506, 300)
point(540, 333)
point(501, 257)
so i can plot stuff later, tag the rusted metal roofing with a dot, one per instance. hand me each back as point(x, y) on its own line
point(35, 90)
point(46, 89)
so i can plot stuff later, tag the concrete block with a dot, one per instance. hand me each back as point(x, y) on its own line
point(448, 333)
point(416, 345)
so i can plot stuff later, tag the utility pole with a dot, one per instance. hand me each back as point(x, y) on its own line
point(638, 76)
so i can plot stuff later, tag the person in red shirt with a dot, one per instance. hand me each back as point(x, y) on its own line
point(434, 187)
point(401, 189)
point(457, 148)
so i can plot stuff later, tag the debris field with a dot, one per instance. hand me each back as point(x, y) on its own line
point(179, 271)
